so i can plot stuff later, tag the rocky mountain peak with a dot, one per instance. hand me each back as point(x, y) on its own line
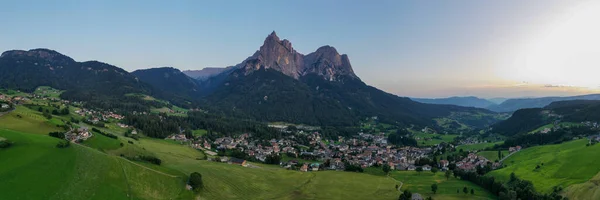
point(276, 54)
point(279, 55)
point(328, 63)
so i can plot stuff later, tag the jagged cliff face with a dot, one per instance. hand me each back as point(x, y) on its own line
point(279, 55)
point(328, 63)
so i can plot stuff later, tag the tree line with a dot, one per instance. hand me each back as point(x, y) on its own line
point(515, 188)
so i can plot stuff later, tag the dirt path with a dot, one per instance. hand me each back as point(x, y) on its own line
point(142, 166)
point(397, 181)
point(507, 156)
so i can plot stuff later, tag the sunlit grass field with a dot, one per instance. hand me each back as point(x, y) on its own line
point(563, 165)
point(421, 183)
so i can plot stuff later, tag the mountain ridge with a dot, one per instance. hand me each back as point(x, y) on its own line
point(467, 101)
point(511, 105)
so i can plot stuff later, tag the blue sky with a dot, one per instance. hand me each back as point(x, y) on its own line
point(409, 48)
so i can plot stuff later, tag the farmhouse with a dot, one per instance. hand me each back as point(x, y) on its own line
point(78, 134)
point(444, 163)
point(304, 168)
point(237, 161)
point(514, 149)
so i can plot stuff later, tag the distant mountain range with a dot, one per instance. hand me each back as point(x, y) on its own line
point(504, 104)
point(204, 73)
point(512, 105)
point(459, 101)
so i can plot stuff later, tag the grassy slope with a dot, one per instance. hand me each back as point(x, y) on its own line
point(102, 143)
point(421, 183)
point(563, 164)
point(224, 181)
point(76, 172)
point(491, 155)
point(550, 126)
point(29, 121)
point(46, 91)
point(422, 142)
point(587, 190)
point(479, 146)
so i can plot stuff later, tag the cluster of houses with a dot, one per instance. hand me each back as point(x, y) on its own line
point(594, 125)
point(365, 150)
point(473, 160)
point(80, 134)
point(98, 116)
point(514, 149)
point(13, 100)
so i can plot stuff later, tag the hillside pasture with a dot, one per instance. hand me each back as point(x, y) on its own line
point(102, 143)
point(429, 139)
point(26, 120)
point(33, 168)
point(478, 146)
point(492, 155)
point(421, 183)
point(45, 91)
point(563, 165)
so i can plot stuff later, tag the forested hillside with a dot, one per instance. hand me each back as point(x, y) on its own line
point(527, 120)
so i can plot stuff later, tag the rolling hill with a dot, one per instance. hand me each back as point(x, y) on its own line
point(76, 172)
point(527, 120)
point(570, 165)
point(27, 70)
point(95, 83)
point(170, 83)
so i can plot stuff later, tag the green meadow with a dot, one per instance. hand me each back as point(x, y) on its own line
point(46, 91)
point(492, 155)
point(199, 132)
point(427, 139)
point(569, 165)
point(476, 147)
point(27, 120)
point(33, 168)
point(102, 143)
point(421, 183)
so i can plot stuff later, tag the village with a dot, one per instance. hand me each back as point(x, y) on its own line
point(364, 150)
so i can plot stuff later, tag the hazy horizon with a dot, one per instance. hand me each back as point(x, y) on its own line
point(416, 49)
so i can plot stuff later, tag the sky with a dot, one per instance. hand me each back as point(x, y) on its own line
point(509, 48)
